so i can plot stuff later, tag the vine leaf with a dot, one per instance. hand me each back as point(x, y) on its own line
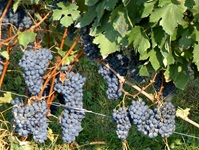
point(120, 20)
point(196, 50)
point(140, 39)
point(91, 2)
point(26, 37)
point(16, 5)
point(109, 5)
point(106, 47)
point(87, 18)
point(179, 74)
point(7, 97)
point(170, 14)
point(155, 59)
point(183, 112)
point(67, 13)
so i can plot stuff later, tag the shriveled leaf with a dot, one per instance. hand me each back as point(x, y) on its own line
point(7, 97)
point(4, 54)
point(183, 112)
point(16, 5)
point(26, 37)
point(50, 135)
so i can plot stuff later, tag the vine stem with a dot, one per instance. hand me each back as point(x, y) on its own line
point(5, 66)
point(50, 98)
point(123, 80)
point(150, 97)
point(39, 23)
point(57, 65)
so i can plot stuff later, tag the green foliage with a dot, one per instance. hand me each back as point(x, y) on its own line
point(26, 37)
point(67, 13)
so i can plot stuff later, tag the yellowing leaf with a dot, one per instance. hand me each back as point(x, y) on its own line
point(183, 112)
point(7, 97)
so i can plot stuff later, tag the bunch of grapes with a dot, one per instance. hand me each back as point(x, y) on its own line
point(113, 91)
point(118, 62)
point(134, 67)
point(34, 64)
point(140, 114)
point(166, 119)
point(168, 87)
point(122, 120)
point(153, 122)
point(72, 90)
point(30, 119)
point(20, 19)
point(90, 49)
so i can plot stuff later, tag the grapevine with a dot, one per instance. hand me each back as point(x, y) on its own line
point(56, 38)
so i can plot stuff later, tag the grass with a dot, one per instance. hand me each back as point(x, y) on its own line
point(99, 132)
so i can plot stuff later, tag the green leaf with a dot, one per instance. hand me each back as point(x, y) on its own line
point(183, 112)
point(179, 74)
point(186, 40)
point(195, 10)
point(91, 2)
point(140, 39)
point(66, 21)
point(30, 2)
point(4, 54)
point(120, 20)
point(100, 10)
point(170, 14)
point(67, 13)
point(87, 18)
point(7, 97)
point(155, 57)
point(110, 4)
point(106, 47)
point(16, 5)
point(196, 49)
point(148, 8)
point(26, 37)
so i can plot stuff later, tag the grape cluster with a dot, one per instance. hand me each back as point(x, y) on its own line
point(169, 87)
point(113, 91)
point(90, 49)
point(34, 64)
point(19, 19)
point(118, 62)
point(134, 67)
point(122, 120)
point(161, 120)
point(30, 119)
point(140, 114)
point(166, 118)
point(72, 91)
